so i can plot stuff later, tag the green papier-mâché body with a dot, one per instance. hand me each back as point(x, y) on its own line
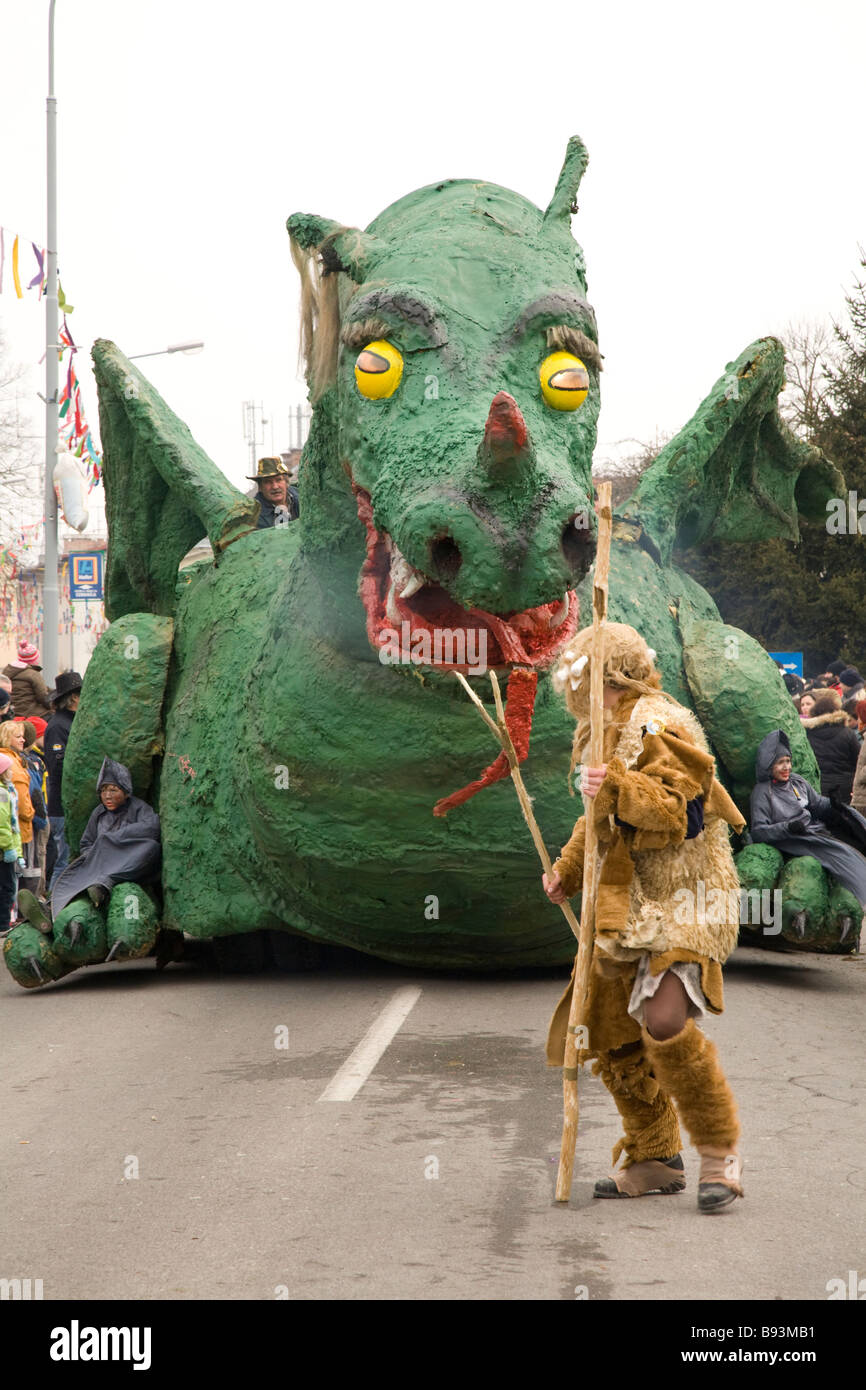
point(260, 700)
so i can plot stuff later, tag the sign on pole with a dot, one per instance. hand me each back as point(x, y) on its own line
point(85, 574)
point(789, 661)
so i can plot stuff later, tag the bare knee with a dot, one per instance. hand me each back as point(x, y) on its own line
point(667, 1012)
point(662, 1026)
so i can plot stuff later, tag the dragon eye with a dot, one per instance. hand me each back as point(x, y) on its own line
point(564, 381)
point(378, 370)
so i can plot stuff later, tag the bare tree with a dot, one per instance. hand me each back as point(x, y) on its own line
point(809, 358)
point(625, 468)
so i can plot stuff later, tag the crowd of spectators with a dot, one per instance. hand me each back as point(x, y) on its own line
point(34, 728)
point(832, 710)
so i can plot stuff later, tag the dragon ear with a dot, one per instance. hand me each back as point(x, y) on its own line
point(321, 247)
point(340, 248)
point(735, 472)
point(564, 200)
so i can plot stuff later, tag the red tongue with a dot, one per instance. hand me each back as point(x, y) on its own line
point(519, 706)
point(509, 643)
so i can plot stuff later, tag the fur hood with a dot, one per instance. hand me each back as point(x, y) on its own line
point(836, 716)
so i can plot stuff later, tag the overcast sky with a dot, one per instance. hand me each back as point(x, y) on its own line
point(724, 197)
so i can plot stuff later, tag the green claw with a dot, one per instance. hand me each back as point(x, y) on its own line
point(79, 933)
point(132, 922)
point(30, 959)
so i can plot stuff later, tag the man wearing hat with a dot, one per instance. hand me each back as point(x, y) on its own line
point(277, 497)
point(29, 692)
point(64, 697)
point(852, 683)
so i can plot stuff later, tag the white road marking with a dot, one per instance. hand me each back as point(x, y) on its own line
point(358, 1066)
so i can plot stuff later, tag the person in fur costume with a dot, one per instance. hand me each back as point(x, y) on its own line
point(667, 917)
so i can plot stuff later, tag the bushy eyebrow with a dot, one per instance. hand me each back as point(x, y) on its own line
point(359, 332)
point(558, 307)
point(561, 337)
point(416, 313)
point(569, 321)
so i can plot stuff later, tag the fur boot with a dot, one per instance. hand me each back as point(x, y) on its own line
point(651, 1132)
point(687, 1067)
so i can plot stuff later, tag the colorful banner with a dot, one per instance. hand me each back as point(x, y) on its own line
point(74, 431)
point(38, 280)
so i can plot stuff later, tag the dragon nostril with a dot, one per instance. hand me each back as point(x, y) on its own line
point(445, 558)
point(578, 544)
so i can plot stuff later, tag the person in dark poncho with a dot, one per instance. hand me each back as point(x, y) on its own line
point(787, 812)
point(120, 844)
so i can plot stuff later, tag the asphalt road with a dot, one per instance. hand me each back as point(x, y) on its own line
point(436, 1180)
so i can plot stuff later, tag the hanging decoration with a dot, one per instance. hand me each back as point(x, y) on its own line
point(38, 281)
point(74, 431)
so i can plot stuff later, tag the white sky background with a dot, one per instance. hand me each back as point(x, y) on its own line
point(724, 197)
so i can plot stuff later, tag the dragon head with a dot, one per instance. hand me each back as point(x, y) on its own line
point(453, 365)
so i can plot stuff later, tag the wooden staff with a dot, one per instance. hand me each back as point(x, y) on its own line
point(583, 964)
point(584, 932)
point(499, 729)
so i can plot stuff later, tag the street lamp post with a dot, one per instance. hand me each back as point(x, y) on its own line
point(188, 348)
point(50, 597)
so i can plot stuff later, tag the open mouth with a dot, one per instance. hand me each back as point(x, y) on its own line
point(400, 600)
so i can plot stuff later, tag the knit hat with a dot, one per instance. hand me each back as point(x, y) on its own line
point(28, 655)
point(5, 764)
point(5, 698)
point(836, 666)
point(850, 677)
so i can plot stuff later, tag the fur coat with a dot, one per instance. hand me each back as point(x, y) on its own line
point(661, 889)
point(836, 748)
point(29, 691)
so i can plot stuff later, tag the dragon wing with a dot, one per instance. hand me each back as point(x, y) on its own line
point(735, 472)
point(161, 490)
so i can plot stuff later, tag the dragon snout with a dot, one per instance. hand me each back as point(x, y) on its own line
point(506, 438)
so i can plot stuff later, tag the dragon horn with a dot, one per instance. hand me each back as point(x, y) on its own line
point(564, 200)
point(341, 248)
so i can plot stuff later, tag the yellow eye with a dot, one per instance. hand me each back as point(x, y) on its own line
point(378, 370)
point(564, 381)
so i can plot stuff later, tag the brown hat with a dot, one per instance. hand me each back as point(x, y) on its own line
point(269, 468)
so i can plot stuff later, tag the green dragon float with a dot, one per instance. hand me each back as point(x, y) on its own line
point(289, 707)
